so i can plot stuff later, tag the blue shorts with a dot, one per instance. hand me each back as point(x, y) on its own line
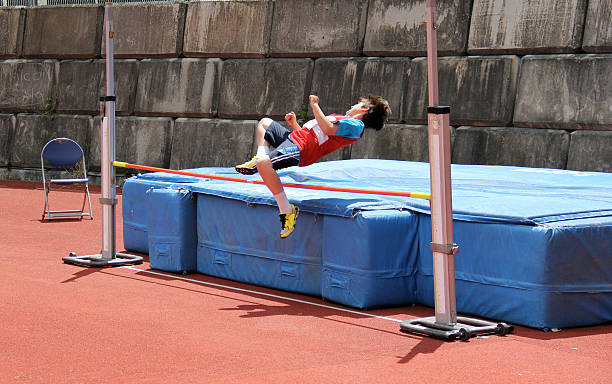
point(285, 153)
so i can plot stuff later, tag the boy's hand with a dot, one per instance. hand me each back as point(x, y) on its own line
point(313, 99)
point(290, 118)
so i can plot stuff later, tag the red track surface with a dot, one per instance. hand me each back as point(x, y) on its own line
point(66, 324)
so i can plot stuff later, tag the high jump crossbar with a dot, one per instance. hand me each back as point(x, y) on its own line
point(416, 195)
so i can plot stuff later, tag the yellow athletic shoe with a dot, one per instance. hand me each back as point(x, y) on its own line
point(288, 221)
point(248, 168)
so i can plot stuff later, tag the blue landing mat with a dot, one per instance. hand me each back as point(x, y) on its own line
point(536, 244)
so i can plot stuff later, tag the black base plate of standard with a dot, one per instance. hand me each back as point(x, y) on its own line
point(464, 329)
point(97, 261)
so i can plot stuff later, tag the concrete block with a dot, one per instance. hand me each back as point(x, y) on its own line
point(590, 151)
point(318, 28)
point(211, 142)
point(63, 32)
point(32, 132)
point(11, 35)
point(479, 89)
point(139, 140)
point(254, 88)
point(526, 26)
point(565, 91)
point(227, 29)
point(147, 30)
point(7, 122)
point(598, 27)
point(397, 27)
point(25, 84)
point(511, 146)
point(82, 82)
point(339, 82)
point(178, 87)
point(26, 174)
point(394, 142)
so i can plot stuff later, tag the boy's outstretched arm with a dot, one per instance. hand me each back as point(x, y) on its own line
point(292, 121)
point(326, 125)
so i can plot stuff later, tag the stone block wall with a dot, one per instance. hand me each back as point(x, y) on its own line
point(528, 82)
point(11, 35)
point(147, 30)
point(525, 26)
point(72, 32)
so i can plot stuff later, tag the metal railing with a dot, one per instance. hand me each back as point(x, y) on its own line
point(36, 3)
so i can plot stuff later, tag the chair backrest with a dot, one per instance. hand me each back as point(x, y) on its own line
point(62, 152)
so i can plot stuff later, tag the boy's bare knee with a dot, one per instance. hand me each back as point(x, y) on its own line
point(265, 122)
point(264, 162)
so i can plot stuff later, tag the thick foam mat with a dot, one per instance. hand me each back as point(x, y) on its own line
point(241, 242)
point(171, 228)
point(535, 243)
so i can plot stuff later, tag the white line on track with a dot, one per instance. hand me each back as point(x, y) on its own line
point(262, 294)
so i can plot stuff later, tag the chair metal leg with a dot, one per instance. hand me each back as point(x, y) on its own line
point(66, 212)
point(88, 200)
point(46, 207)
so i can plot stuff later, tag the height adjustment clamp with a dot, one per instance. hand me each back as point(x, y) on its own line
point(447, 249)
point(107, 201)
point(108, 98)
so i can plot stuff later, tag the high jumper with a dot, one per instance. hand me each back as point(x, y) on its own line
point(279, 147)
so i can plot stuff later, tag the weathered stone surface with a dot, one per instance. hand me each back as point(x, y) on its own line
point(11, 34)
point(26, 174)
point(147, 30)
point(254, 88)
point(598, 27)
point(397, 27)
point(211, 142)
point(565, 91)
point(227, 29)
point(479, 89)
point(25, 84)
point(511, 146)
point(590, 151)
point(7, 122)
point(138, 140)
point(525, 26)
point(317, 28)
point(63, 32)
point(32, 132)
point(339, 82)
point(394, 142)
point(178, 87)
point(82, 82)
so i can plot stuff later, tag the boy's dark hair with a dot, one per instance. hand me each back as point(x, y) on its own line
point(378, 113)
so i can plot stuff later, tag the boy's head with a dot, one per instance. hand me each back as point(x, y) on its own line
point(374, 111)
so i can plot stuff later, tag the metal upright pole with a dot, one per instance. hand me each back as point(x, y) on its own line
point(444, 325)
point(432, 52)
point(107, 143)
point(108, 256)
point(442, 245)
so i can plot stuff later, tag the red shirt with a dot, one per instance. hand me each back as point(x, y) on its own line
point(314, 143)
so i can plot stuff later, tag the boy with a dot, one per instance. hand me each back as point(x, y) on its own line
point(305, 145)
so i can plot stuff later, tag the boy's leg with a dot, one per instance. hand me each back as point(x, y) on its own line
point(287, 154)
point(263, 147)
point(264, 140)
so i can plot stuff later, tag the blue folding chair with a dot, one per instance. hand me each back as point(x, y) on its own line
point(64, 152)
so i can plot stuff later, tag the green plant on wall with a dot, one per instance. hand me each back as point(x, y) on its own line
point(302, 114)
point(50, 108)
point(77, 170)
